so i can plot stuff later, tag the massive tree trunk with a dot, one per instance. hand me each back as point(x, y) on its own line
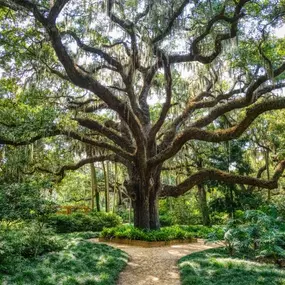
point(144, 193)
point(153, 211)
point(146, 211)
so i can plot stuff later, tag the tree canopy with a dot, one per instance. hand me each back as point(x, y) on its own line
point(136, 82)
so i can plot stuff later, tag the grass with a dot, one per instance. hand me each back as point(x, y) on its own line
point(80, 262)
point(82, 235)
point(214, 266)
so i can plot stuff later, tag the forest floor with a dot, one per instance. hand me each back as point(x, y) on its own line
point(157, 265)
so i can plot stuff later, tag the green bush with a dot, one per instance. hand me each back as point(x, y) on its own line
point(166, 220)
point(26, 242)
point(132, 233)
point(79, 222)
point(256, 234)
point(183, 210)
point(24, 201)
point(200, 231)
point(219, 218)
point(164, 234)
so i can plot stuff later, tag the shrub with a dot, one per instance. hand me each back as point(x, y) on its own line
point(200, 231)
point(107, 220)
point(79, 222)
point(28, 241)
point(132, 233)
point(166, 220)
point(164, 234)
point(255, 234)
point(24, 201)
point(219, 218)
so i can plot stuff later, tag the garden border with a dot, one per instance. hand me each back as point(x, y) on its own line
point(143, 243)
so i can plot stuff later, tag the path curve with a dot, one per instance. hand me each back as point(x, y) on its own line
point(157, 265)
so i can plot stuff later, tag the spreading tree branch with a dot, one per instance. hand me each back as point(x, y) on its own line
point(95, 126)
point(109, 59)
point(61, 171)
point(84, 80)
point(195, 54)
point(193, 133)
point(221, 176)
point(169, 25)
point(56, 9)
point(167, 104)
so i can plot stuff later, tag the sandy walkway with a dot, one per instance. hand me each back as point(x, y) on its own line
point(155, 266)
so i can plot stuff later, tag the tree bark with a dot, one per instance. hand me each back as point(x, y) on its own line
point(202, 194)
point(153, 211)
point(141, 213)
point(141, 207)
point(115, 188)
point(144, 193)
point(97, 193)
point(93, 185)
point(106, 178)
point(268, 174)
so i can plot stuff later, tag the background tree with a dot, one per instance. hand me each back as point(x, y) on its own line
point(86, 71)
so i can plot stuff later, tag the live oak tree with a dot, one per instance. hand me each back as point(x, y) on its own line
point(88, 71)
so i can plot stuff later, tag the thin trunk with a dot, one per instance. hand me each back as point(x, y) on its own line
point(229, 187)
point(268, 173)
point(115, 187)
point(106, 178)
point(202, 194)
point(97, 193)
point(120, 197)
point(94, 189)
point(169, 200)
point(93, 185)
point(130, 211)
point(231, 201)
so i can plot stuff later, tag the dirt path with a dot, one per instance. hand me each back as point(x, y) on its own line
point(157, 265)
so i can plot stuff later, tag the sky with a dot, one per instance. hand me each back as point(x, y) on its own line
point(280, 32)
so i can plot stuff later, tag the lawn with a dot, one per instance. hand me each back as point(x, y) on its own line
point(214, 266)
point(80, 262)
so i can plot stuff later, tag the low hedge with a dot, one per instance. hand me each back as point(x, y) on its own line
point(79, 222)
point(132, 233)
point(164, 234)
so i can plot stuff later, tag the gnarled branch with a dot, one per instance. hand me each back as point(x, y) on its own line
point(221, 176)
point(193, 133)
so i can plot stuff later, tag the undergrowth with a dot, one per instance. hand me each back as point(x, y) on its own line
point(80, 262)
point(214, 266)
point(164, 234)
